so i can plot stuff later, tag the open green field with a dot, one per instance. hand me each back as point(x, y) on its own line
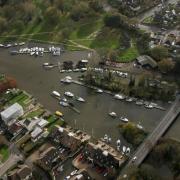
point(128, 55)
point(21, 98)
point(4, 153)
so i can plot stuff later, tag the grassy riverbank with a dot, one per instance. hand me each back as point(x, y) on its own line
point(74, 24)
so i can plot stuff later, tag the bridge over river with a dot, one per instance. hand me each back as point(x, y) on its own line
point(145, 148)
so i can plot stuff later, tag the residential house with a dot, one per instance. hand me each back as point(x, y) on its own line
point(12, 113)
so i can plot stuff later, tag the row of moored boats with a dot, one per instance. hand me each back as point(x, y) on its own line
point(38, 51)
point(146, 104)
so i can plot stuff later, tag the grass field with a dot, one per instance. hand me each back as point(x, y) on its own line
point(4, 153)
point(129, 54)
point(35, 113)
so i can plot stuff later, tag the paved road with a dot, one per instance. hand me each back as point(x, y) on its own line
point(12, 160)
point(152, 139)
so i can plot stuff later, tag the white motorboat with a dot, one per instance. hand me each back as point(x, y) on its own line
point(21, 43)
point(113, 114)
point(119, 96)
point(80, 99)
point(76, 70)
point(99, 91)
point(46, 64)
point(32, 53)
point(69, 94)
point(129, 99)
point(73, 172)
point(67, 81)
point(56, 94)
point(64, 99)
point(128, 150)
point(140, 102)
point(118, 142)
point(149, 106)
point(62, 71)
point(124, 119)
point(67, 177)
point(62, 103)
point(124, 149)
point(139, 126)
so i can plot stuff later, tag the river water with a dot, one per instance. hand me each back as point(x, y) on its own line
point(93, 117)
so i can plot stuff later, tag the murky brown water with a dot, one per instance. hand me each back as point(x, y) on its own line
point(33, 78)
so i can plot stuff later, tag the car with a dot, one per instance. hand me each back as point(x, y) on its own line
point(134, 159)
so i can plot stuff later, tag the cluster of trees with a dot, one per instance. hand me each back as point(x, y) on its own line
point(167, 152)
point(139, 86)
point(161, 55)
point(7, 83)
point(132, 134)
point(145, 172)
point(117, 20)
point(18, 15)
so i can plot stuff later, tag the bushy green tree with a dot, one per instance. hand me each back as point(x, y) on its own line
point(159, 53)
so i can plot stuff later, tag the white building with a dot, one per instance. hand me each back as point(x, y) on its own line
point(12, 112)
point(36, 134)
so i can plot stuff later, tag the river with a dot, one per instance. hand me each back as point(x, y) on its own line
point(93, 117)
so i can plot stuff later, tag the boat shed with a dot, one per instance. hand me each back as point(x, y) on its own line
point(146, 61)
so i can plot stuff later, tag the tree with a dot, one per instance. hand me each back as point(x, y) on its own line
point(96, 5)
point(51, 15)
point(166, 65)
point(59, 4)
point(112, 20)
point(3, 24)
point(79, 11)
point(143, 42)
point(159, 52)
point(112, 55)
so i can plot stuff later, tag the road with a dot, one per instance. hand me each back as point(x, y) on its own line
point(152, 139)
point(12, 160)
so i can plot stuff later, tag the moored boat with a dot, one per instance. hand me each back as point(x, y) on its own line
point(113, 114)
point(69, 94)
point(149, 106)
point(80, 99)
point(64, 104)
point(124, 119)
point(99, 91)
point(129, 99)
point(119, 96)
point(56, 94)
point(140, 102)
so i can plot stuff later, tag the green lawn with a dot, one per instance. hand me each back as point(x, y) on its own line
point(4, 153)
point(106, 39)
point(35, 113)
point(56, 122)
point(129, 54)
point(148, 20)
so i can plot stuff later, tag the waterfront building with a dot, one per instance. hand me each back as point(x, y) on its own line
point(12, 113)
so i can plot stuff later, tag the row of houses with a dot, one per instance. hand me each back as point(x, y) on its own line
point(67, 142)
point(35, 126)
point(21, 172)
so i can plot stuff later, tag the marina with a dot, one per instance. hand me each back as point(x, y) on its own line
point(93, 113)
